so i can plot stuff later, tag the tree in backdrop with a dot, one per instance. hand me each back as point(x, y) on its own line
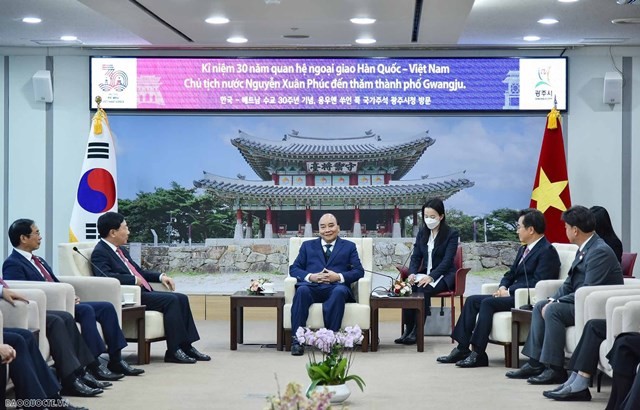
point(463, 223)
point(502, 224)
point(172, 212)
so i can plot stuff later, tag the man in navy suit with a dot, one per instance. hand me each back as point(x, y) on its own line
point(114, 261)
point(22, 264)
point(536, 260)
point(595, 264)
point(32, 378)
point(325, 268)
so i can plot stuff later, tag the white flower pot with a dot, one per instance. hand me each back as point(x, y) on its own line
point(340, 392)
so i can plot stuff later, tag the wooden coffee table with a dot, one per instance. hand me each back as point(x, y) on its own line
point(519, 317)
point(136, 312)
point(242, 299)
point(414, 301)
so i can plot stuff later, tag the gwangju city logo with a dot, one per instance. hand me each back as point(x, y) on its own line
point(116, 80)
point(543, 88)
point(543, 76)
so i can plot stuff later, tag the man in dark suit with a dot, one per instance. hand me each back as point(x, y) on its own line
point(536, 260)
point(114, 261)
point(325, 268)
point(624, 358)
point(31, 376)
point(69, 352)
point(22, 264)
point(595, 264)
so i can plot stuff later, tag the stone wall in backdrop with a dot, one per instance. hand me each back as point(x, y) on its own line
point(271, 255)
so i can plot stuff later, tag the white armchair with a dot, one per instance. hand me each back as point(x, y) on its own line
point(622, 315)
point(358, 313)
point(72, 265)
point(37, 308)
point(501, 326)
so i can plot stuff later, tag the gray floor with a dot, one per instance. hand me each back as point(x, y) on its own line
point(397, 377)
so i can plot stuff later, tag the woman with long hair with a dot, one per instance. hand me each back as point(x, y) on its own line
point(432, 269)
point(604, 229)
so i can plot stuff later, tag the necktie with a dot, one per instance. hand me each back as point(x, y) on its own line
point(327, 252)
point(524, 254)
point(133, 269)
point(47, 276)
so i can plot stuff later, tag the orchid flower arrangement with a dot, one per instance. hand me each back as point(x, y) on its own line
point(336, 350)
point(295, 399)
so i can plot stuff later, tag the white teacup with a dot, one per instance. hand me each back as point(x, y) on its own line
point(267, 287)
point(128, 298)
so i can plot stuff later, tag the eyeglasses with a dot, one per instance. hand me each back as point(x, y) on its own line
point(37, 233)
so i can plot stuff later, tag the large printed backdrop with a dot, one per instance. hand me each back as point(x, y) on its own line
point(498, 153)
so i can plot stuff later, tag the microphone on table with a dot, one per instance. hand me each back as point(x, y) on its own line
point(92, 264)
point(393, 280)
point(403, 269)
point(528, 306)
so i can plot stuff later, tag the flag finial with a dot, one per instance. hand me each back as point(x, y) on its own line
point(98, 101)
point(553, 116)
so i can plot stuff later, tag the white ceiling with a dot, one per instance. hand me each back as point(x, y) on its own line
point(440, 24)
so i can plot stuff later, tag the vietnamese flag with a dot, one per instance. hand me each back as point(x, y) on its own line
point(551, 186)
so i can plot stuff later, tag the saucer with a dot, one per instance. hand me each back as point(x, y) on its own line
point(268, 293)
point(128, 304)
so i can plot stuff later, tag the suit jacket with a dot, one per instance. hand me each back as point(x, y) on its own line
point(442, 256)
point(596, 265)
point(541, 263)
point(17, 267)
point(105, 259)
point(344, 259)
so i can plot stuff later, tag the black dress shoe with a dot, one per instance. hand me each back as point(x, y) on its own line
point(455, 356)
point(557, 389)
point(297, 349)
point(178, 357)
point(201, 357)
point(406, 333)
point(91, 381)
point(125, 368)
point(549, 376)
point(78, 388)
point(475, 359)
point(103, 373)
point(582, 395)
point(411, 338)
point(525, 372)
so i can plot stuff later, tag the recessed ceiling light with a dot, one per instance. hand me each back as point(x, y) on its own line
point(531, 38)
point(362, 20)
point(547, 21)
point(217, 20)
point(237, 40)
point(31, 20)
point(630, 20)
point(365, 40)
point(68, 38)
point(568, 1)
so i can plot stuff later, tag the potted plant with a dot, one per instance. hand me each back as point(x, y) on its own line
point(330, 368)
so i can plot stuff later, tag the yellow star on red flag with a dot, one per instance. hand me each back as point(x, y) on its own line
point(547, 193)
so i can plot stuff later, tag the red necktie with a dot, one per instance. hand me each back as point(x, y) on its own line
point(524, 254)
point(133, 269)
point(47, 276)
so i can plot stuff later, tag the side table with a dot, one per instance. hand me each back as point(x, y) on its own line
point(519, 317)
point(242, 299)
point(136, 312)
point(414, 301)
